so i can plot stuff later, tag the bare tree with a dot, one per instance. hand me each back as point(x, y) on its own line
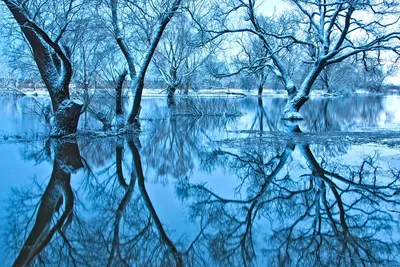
point(252, 61)
point(45, 33)
point(144, 16)
point(322, 32)
point(178, 57)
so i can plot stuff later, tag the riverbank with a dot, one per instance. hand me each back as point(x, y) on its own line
point(216, 92)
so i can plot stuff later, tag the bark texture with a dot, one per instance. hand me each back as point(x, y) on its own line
point(66, 118)
point(119, 108)
point(260, 89)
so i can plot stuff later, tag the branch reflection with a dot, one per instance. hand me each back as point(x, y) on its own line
point(55, 209)
point(286, 202)
point(319, 211)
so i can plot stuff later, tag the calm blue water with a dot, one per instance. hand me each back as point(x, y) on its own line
point(205, 191)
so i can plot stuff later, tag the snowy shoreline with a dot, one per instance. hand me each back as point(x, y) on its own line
point(200, 93)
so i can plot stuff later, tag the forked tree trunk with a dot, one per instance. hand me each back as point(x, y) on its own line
point(138, 85)
point(177, 255)
point(129, 189)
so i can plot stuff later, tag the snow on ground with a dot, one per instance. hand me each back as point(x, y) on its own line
point(215, 92)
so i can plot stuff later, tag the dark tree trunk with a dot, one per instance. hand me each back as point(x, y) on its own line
point(122, 205)
point(171, 91)
point(186, 87)
point(119, 151)
point(325, 80)
point(261, 112)
point(118, 95)
point(260, 89)
point(86, 100)
point(119, 106)
point(171, 102)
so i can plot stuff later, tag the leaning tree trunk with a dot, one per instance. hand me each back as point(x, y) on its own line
point(134, 115)
point(293, 105)
point(55, 68)
point(297, 98)
point(291, 111)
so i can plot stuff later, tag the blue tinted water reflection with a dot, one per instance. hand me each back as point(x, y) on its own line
point(209, 190)
point(347, 113)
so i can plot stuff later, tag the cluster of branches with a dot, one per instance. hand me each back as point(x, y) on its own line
point(306, 39)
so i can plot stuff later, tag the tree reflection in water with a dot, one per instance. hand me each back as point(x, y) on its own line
point(180, 141)
point(320, 114)
point(54, 209)
point(295, 201)
point(322, 212)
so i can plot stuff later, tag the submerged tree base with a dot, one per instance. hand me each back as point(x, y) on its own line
point(133, 125)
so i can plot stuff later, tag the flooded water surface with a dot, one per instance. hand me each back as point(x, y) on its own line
point(233, 187)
